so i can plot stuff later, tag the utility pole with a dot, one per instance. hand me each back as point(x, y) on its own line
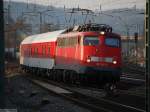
point(40, 22)
point(136, 47)
point(100, 8)
point(8, 16)
point(147, 33)
point(128, 40)
point(2, 68)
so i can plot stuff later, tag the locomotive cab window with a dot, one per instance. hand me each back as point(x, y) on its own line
point(91, 41)
point(113, 42)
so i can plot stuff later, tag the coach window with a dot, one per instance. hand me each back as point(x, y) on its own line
point(25, 52)
point(35, 52)
point(44, 50)
point(49, 50)
point(31, 52)
point(28, 52)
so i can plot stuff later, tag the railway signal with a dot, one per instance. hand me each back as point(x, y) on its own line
point(2, 94)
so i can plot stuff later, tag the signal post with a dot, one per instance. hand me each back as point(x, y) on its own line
point(147, 46)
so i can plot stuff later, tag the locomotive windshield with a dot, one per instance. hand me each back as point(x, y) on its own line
point(91, 41)
point(113, 42)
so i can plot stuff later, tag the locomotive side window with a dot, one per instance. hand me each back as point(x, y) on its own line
point(65, 42)
point(91, 41)
point(113, 42)
point(72, 41)
point(61, 42)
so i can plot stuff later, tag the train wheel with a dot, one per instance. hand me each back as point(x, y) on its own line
point(78, 79)
point(68, 77)
point(50, 74)
point(47, 73)
point(73, 77)
point(64, 75)
point(58, 75)
point(55, 75)
point(111, 89)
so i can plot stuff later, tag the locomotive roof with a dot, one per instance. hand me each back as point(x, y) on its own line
point(44, 37)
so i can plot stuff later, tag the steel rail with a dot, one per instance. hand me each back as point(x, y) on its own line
point(93, 103)
point(73, 99)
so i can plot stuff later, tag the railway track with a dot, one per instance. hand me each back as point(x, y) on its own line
point(133, 80)
point(102, 104)
point(136, 79)
point(134, 69)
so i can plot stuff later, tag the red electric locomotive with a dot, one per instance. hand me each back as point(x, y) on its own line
point(88, 51)
point(92, 51)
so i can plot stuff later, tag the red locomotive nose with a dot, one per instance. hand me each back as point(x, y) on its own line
point(103, 50)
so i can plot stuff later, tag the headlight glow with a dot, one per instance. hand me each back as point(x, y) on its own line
point(102, 32)
point(88, 60)
point(114, 62)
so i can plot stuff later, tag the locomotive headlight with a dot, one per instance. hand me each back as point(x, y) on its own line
point(114, 62)
point(88, 60)
point(102, 32)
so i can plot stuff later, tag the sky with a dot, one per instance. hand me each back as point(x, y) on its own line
point(90, 4)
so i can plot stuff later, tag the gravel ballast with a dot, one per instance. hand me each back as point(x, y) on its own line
point(28, 97)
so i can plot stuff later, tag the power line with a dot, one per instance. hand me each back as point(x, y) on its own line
point(121, 1)
point(115, 3)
